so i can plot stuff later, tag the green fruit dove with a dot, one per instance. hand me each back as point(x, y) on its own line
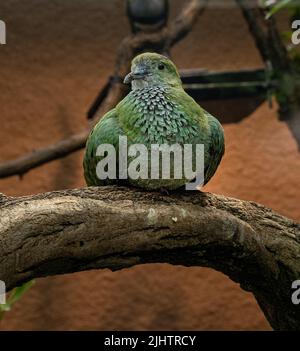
point(156, 111)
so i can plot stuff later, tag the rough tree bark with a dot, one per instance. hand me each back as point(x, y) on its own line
point(115, 227)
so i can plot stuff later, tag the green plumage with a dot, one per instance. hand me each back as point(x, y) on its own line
point(156, 111)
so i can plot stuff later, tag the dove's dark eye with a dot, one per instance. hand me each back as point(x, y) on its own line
point(161, 66)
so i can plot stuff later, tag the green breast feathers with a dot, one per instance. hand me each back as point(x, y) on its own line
point(156, 126)
point(155, 118)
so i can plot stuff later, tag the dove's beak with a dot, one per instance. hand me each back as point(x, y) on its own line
point(128, 79)
point(139, 73)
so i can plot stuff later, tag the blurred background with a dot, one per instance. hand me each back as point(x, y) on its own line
point(58, 56)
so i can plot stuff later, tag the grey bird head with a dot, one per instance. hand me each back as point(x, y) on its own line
point(152, 69)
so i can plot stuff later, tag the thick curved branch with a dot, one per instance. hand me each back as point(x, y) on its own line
point(159, 41)
point(114, 227)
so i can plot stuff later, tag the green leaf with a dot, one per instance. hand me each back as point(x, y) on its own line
point(280, 5)
point(18, 292)
point(4, 307)
point(14, 296)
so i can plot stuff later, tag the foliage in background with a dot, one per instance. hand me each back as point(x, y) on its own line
point(293, 7)
point(277, 5)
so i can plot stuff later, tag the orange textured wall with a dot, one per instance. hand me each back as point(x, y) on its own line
point(58, 55)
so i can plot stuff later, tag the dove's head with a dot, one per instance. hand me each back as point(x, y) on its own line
point(151, 69)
